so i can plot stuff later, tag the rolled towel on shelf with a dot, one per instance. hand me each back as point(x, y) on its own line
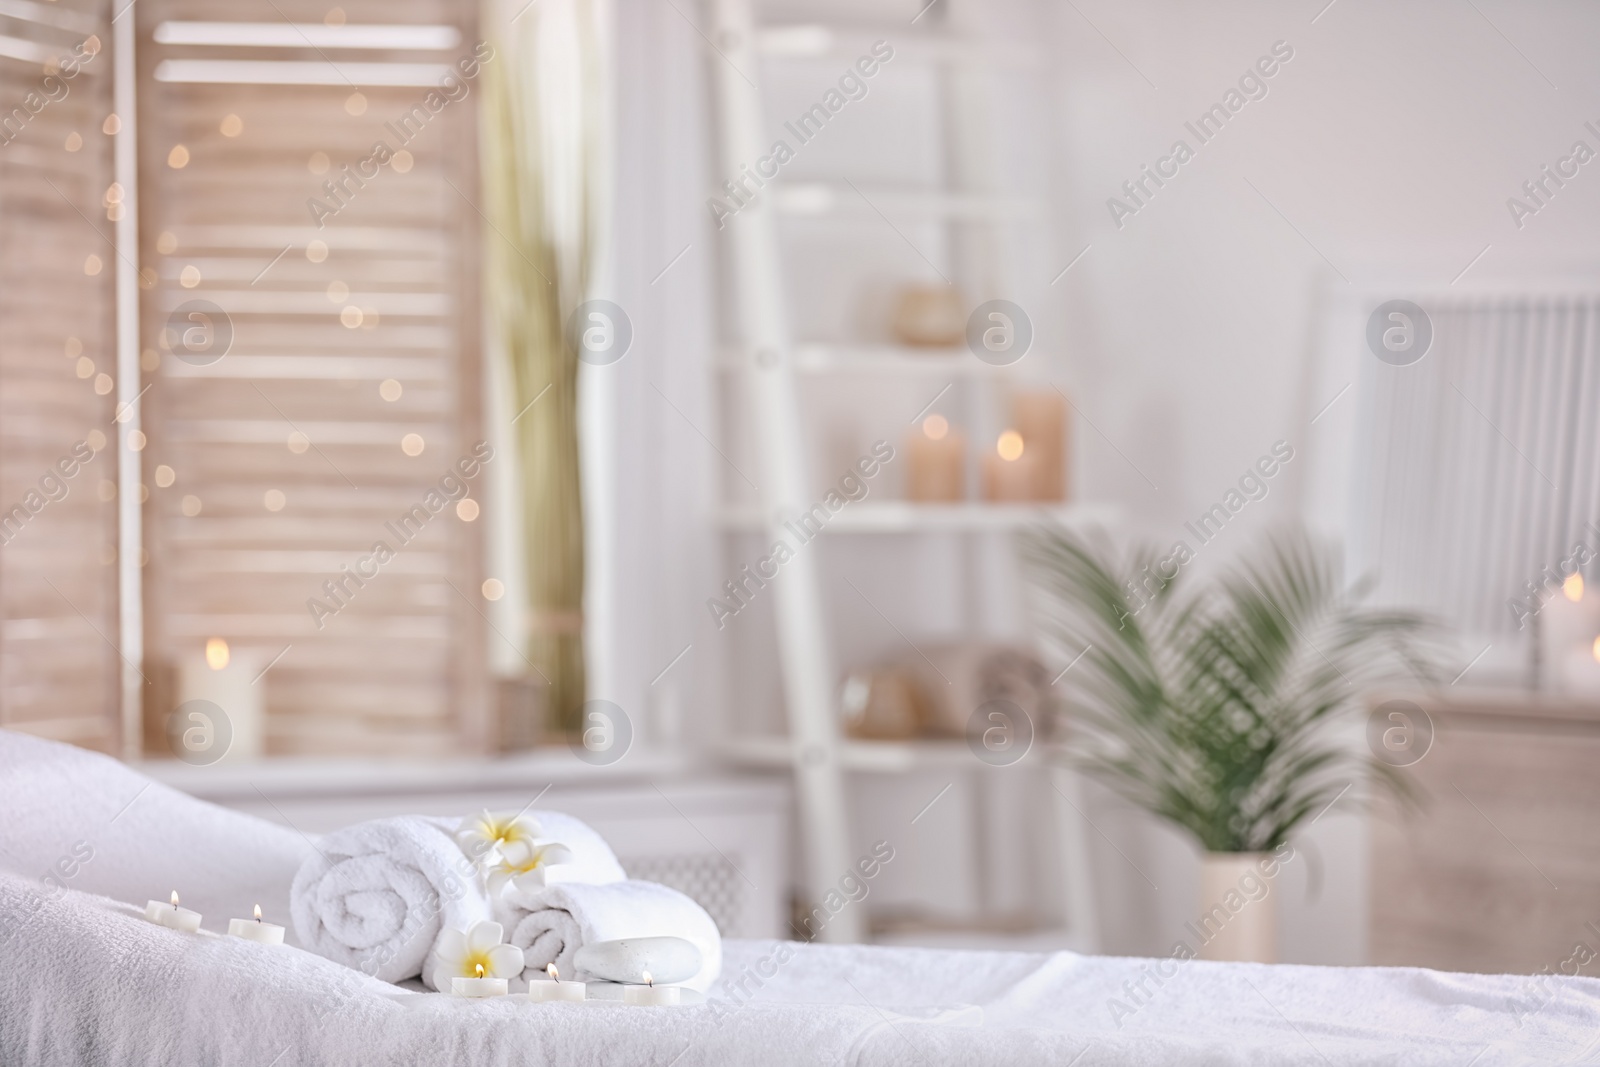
point(551, 925)
point(378, 895)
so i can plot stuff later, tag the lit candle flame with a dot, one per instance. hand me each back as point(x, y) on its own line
point(1595, 650)
point(1010, 446)
point(258, 913)
point(1573, 587)
point(480, 969)
point(648, 980)
point(174, 898)
point(935, 427)
point(216, 653)
point(555, 975)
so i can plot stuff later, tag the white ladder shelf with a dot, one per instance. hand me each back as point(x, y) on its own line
point(768, 360)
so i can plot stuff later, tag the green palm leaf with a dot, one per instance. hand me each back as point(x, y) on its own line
point(1212, 709)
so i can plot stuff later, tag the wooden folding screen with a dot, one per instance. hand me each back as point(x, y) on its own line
point(59, 664)
point(309, 184)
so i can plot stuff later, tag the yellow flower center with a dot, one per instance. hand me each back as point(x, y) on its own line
point(504, 833)
point(532, 865)
point(476, 965)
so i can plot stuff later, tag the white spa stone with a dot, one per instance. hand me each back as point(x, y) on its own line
point(668, 959)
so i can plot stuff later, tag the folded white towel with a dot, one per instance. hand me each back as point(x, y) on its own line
point(378, 895)
point(552, 925)
point(592, 862)
point(79, 820)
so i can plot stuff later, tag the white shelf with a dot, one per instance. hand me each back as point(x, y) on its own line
point(819, 41)
point(904, 516)
point(297, 776)
point(883, 359)
point(803, 631)
point(870, 757)
point(819, 198)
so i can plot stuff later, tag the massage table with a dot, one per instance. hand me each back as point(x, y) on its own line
point(86, 981)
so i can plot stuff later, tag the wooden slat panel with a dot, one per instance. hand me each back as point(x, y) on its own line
point(401, 669)
point(58, 664)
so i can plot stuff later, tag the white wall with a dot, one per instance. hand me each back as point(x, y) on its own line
point(1383, 154)
point(1387, 148)
point(1390, 141)
point(664, 550)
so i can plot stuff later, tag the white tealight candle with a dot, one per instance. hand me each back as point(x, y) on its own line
point(256, 930)
point(557, 991)
point(650, 994)
point(479, 986)
point(172, 916)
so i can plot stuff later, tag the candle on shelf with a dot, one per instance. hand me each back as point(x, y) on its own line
point(936, 459)
point(1569, 622)
point(1040, 416)
point(1009, 472)
point(172, 916)
point(556, 990)
point(479, 986)
point(227, 678)
point(256, 930)
point(650, 994)
point(1580, 671)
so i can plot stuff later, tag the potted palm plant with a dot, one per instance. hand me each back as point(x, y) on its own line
point(1211, 707)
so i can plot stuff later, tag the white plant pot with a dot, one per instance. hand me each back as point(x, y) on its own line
point(1231, 925)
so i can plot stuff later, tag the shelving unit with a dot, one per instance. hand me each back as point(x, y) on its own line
point(818, 198)
point(903, 360)
point(929, 44)
point(770, 364)
point(904, 516)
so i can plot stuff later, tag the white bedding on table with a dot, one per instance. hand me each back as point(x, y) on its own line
point(97, 825)
point(88, 982)
point(85, 980)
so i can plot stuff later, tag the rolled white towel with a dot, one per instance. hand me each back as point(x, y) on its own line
point(376, 895)
point(550, 926)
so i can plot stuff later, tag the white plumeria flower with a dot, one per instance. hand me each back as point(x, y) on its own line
point(461, 954)
point(523, 864)
point(483, 837)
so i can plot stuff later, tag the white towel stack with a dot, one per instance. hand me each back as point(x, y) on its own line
point(552, 925)
point(375, 896)
point(379, 896)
